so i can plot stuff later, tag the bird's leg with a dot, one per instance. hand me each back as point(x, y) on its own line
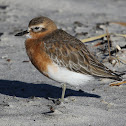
point(58, 101)
point(63, 92)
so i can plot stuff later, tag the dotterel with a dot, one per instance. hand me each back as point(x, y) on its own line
point(60, 56)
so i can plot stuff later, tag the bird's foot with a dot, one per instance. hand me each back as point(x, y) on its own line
point(58, 101)
point(56, 106)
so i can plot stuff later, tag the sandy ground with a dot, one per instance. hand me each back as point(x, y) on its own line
point(24, 91)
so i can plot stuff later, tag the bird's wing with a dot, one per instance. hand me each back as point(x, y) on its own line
point(69, 52)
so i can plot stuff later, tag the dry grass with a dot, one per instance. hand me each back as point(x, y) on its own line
point(120, 23)
point(117, 84)
point(114, 59)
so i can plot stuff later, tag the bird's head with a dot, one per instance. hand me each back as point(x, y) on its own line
point(39, 27)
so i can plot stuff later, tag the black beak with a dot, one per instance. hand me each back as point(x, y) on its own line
point(22, 33)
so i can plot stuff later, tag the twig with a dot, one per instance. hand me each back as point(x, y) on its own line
point(121, 35)
point(120, 23)
point(123, 61)
point(117, 84)
point(108, 42)
point(93, 38)
point(101, 36)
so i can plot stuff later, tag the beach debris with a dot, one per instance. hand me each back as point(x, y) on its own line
point(8, 60)
point(3, 7)
point(4, 56)
point(25, 61)
point(118, 47)
point(119, 23)
point(117, 83)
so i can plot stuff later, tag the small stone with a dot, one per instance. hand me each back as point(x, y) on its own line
point(4, 57)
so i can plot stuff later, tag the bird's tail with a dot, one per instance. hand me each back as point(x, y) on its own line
point(118, 76)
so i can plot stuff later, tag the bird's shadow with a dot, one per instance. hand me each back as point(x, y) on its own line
point(27, 90)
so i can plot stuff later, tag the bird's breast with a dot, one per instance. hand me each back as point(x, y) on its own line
point(36, 53)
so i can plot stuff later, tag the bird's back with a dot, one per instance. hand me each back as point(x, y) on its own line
point(69, 52)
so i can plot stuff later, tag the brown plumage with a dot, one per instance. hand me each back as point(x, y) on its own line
point(67, 51)
point(60, 56)
point(51, 45)
point(37, 55)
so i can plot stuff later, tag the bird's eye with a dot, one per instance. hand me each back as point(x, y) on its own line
point(36, 29)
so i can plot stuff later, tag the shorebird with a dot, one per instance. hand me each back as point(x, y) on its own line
point(60, 56)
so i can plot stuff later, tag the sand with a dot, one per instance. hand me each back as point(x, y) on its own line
point(24, 91)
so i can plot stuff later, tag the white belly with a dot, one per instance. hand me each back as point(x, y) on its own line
point(64, 75)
